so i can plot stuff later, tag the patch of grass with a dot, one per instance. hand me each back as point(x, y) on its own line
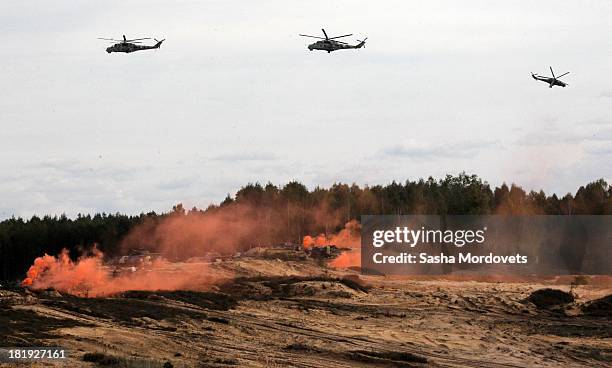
point(218, 320)
point(601, 307)
point(301, 347)
point(19, 327)
point(101, 359)
point(581, 280)
point(355, 283)
point(549, 298)
point(280, 285)
point(107, 360)
point(395, 358)
point(227, 361)
point(208, 361)
point(208, 300)
point(122, 310)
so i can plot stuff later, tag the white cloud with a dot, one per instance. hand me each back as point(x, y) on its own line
point(419, 150)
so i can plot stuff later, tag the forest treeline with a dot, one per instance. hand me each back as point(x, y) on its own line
point(287, 213)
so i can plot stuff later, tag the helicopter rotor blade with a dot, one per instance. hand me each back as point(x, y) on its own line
point(346, 35)
point(325, 33)
point(109, 39)
point(320, 38)
point(553, 73)
point(563, 75)
point(138, 39)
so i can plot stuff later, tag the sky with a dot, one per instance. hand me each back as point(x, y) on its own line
point(234, 96)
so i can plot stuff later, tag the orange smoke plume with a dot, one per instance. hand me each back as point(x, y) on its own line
point(346, 260)
point(89, 277)
point(308, 242)
point(317, 241)
point(349, 237)
point(180, 236)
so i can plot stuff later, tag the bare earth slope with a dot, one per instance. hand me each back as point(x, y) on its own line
point(277, 314)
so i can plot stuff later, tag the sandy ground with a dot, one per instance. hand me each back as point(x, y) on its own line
point(279, 313)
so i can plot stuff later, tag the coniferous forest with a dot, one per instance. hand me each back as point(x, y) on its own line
point(292, 211)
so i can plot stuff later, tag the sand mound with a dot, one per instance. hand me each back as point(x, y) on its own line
point(599, 307)
point(323, 289)
point(9, 298)
point(203, 299)
point(265, 288)
point(550, 298)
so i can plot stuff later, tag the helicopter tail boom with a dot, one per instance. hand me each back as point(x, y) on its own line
point(158, 44)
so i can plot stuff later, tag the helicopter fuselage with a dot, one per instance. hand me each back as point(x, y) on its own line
point(330, 46)
point(551, 81)
point(130, 47)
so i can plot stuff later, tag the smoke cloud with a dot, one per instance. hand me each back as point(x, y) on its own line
point(180, 236)
point(88, 276)
point(348, 237)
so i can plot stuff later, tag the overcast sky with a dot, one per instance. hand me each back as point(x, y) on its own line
point(234, 96)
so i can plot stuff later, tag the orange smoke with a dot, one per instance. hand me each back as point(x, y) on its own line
point(349, 237)
point(89, 277)
point(308, 242)
point(317, 241)
point(347, 259)
point(179, 236)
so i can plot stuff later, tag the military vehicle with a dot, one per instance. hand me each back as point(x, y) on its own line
point(129, 46)
point(330, 44)
point(554, 81)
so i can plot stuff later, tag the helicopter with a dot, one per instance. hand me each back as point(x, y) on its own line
point(554, 81)
point(128, 46)
point(330, 44)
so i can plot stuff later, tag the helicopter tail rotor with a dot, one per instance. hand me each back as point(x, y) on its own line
point(361, 43)
point(159, 42)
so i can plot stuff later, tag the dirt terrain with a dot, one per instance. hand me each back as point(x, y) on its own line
point(272, 313)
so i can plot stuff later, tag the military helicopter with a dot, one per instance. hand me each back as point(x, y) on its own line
point(554, 81)
point(128, 46)
point(330, 44)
